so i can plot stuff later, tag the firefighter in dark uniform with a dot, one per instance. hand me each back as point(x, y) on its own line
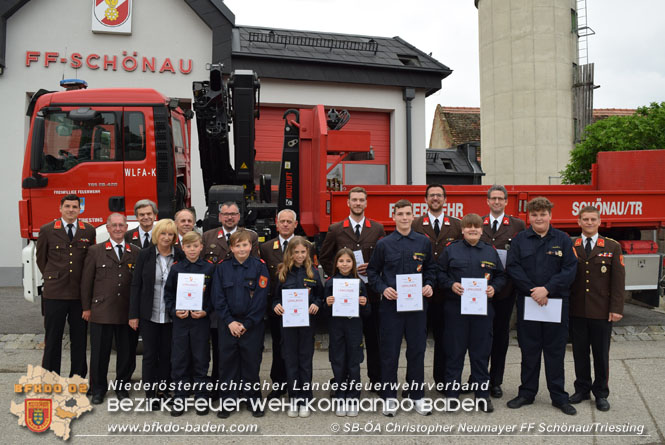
point(542, 266)
point(239, 294)
point(62, 247)
point(215, 250)
point(499, 230)
point(596, 301)
point(272, 252)
point(358, 232)
point(441, 229)
point(105, 287)
point(402, 252)
point(190, 353)
point(469, 258)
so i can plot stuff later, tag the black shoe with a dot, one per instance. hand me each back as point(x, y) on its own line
point(275, 394)
point(223, 414)
point(177, 412)
point(602, 404)
point(488, 408)
point(578, 397)
point(518, 402)
point(257, 412)
point(496, 392)
point(122, 394)
point(97, 399)
point(565, 408)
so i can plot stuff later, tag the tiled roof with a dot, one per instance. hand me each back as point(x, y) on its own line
point(332, 48)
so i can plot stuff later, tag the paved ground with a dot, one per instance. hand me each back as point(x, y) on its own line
point(637, 370)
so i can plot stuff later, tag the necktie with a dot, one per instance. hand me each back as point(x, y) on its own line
point(146, 240)
point(119, 246)
point(357, 230)
point(495, 226)
point(228, 236)
point(70, 231)
point(286, 243)
point(587, 247)
point(437, 229)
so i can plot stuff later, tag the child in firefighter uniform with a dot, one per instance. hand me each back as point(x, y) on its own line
point(190, 350)
point(346, 336)
point(297, 272)
point(469, 258)
point(239, 295)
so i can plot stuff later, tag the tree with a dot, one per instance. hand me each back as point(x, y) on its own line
point(645, 130)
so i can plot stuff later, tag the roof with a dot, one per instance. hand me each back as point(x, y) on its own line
point(324, 56)
point(458, 125)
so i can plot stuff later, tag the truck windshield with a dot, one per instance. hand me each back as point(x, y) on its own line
point(68, 142)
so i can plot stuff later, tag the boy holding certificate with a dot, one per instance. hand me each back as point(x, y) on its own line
point(346, 330)
point(404, 256)
point(470, 272)
point(239, 295)
point(301, 291)
point(187, 300)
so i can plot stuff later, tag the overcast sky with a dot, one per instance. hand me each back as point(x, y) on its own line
point(627, 49)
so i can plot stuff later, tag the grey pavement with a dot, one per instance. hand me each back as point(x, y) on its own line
point(637, 370)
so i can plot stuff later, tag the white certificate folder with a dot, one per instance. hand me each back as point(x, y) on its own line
point(296, 308)
point(189, 293)
point(346, 292)
point(409, 292)
point(550, 313)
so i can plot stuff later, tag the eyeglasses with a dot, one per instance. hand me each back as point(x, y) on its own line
point(230, 214)
point(496, 198)
point(435, 195)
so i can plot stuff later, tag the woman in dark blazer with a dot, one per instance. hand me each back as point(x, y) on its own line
point(146, 303)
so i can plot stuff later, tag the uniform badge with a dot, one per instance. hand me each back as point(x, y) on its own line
point(603, 269)
point(135, 235)
point(130, 266)
point(419, 268)
point(506, 221)
point(38, 414)
point(601, 242)
point(621, 259)
point(559, 253)
point(108, 246)
point(275, 245)
point(426, 221)
point(487, 276)
point(446, 221)
point(263, 282)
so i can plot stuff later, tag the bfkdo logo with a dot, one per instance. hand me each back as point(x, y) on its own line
point(38, 414)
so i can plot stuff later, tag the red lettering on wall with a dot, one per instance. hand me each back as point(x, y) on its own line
point(89, 59)
point(149, 64)
point(76, 60)
point(189, 67)
point(50, 58)
point(110, 62)
point(167, 66)
point(31, 56)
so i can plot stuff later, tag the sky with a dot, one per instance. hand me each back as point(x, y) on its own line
point(627, 48)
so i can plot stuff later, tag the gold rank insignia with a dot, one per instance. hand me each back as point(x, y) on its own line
point(603, 269)
point(275, 245)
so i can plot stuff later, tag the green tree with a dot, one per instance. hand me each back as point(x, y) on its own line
point(645, 130)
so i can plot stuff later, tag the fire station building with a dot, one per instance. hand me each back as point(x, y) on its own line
point(382, 81)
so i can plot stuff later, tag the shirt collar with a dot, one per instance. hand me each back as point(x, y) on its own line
point(281, 239)
point(118, 244)
point(594, 239)
point(432, 218)
point(500, 219)
point(354, 224)
point(226, 232)
point(142, 232)
point(64, 223)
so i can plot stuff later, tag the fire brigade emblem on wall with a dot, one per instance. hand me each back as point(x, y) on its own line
point(112, 16)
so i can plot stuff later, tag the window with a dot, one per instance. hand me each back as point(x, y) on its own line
point(68, 142)
point(134, 136)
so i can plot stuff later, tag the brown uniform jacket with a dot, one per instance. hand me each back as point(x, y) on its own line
point(599, 285)
point(61, 261)
point(341, 235)
point(271, 253)
point(216, 249)
point(106, 283)
point(132, 237)
point(450, 231)
point(506, 231)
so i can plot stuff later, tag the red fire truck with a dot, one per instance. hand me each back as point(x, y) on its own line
point(114, 147)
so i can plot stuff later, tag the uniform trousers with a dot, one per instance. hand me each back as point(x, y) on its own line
point(594, 334)
point(101, 341)
point(56, 313)
point(240, 361)
point(503, 310)
point(346, 354)
point(277, 369)
point(297, 352)
point(190, 354)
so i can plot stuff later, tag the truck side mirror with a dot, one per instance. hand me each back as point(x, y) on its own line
point(37, 147)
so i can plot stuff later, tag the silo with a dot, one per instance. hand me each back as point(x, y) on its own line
point(528, 50)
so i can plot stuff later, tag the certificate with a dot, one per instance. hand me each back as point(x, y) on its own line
point(296, 308)
point(551, 312)
point(474, 298)
point(346, 293)
point(189, 293)
point(409, 292)
point(360, 260)
point(503, 254)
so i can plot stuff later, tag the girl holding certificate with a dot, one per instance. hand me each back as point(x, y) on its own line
point(298, 276)
point(346, 332)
